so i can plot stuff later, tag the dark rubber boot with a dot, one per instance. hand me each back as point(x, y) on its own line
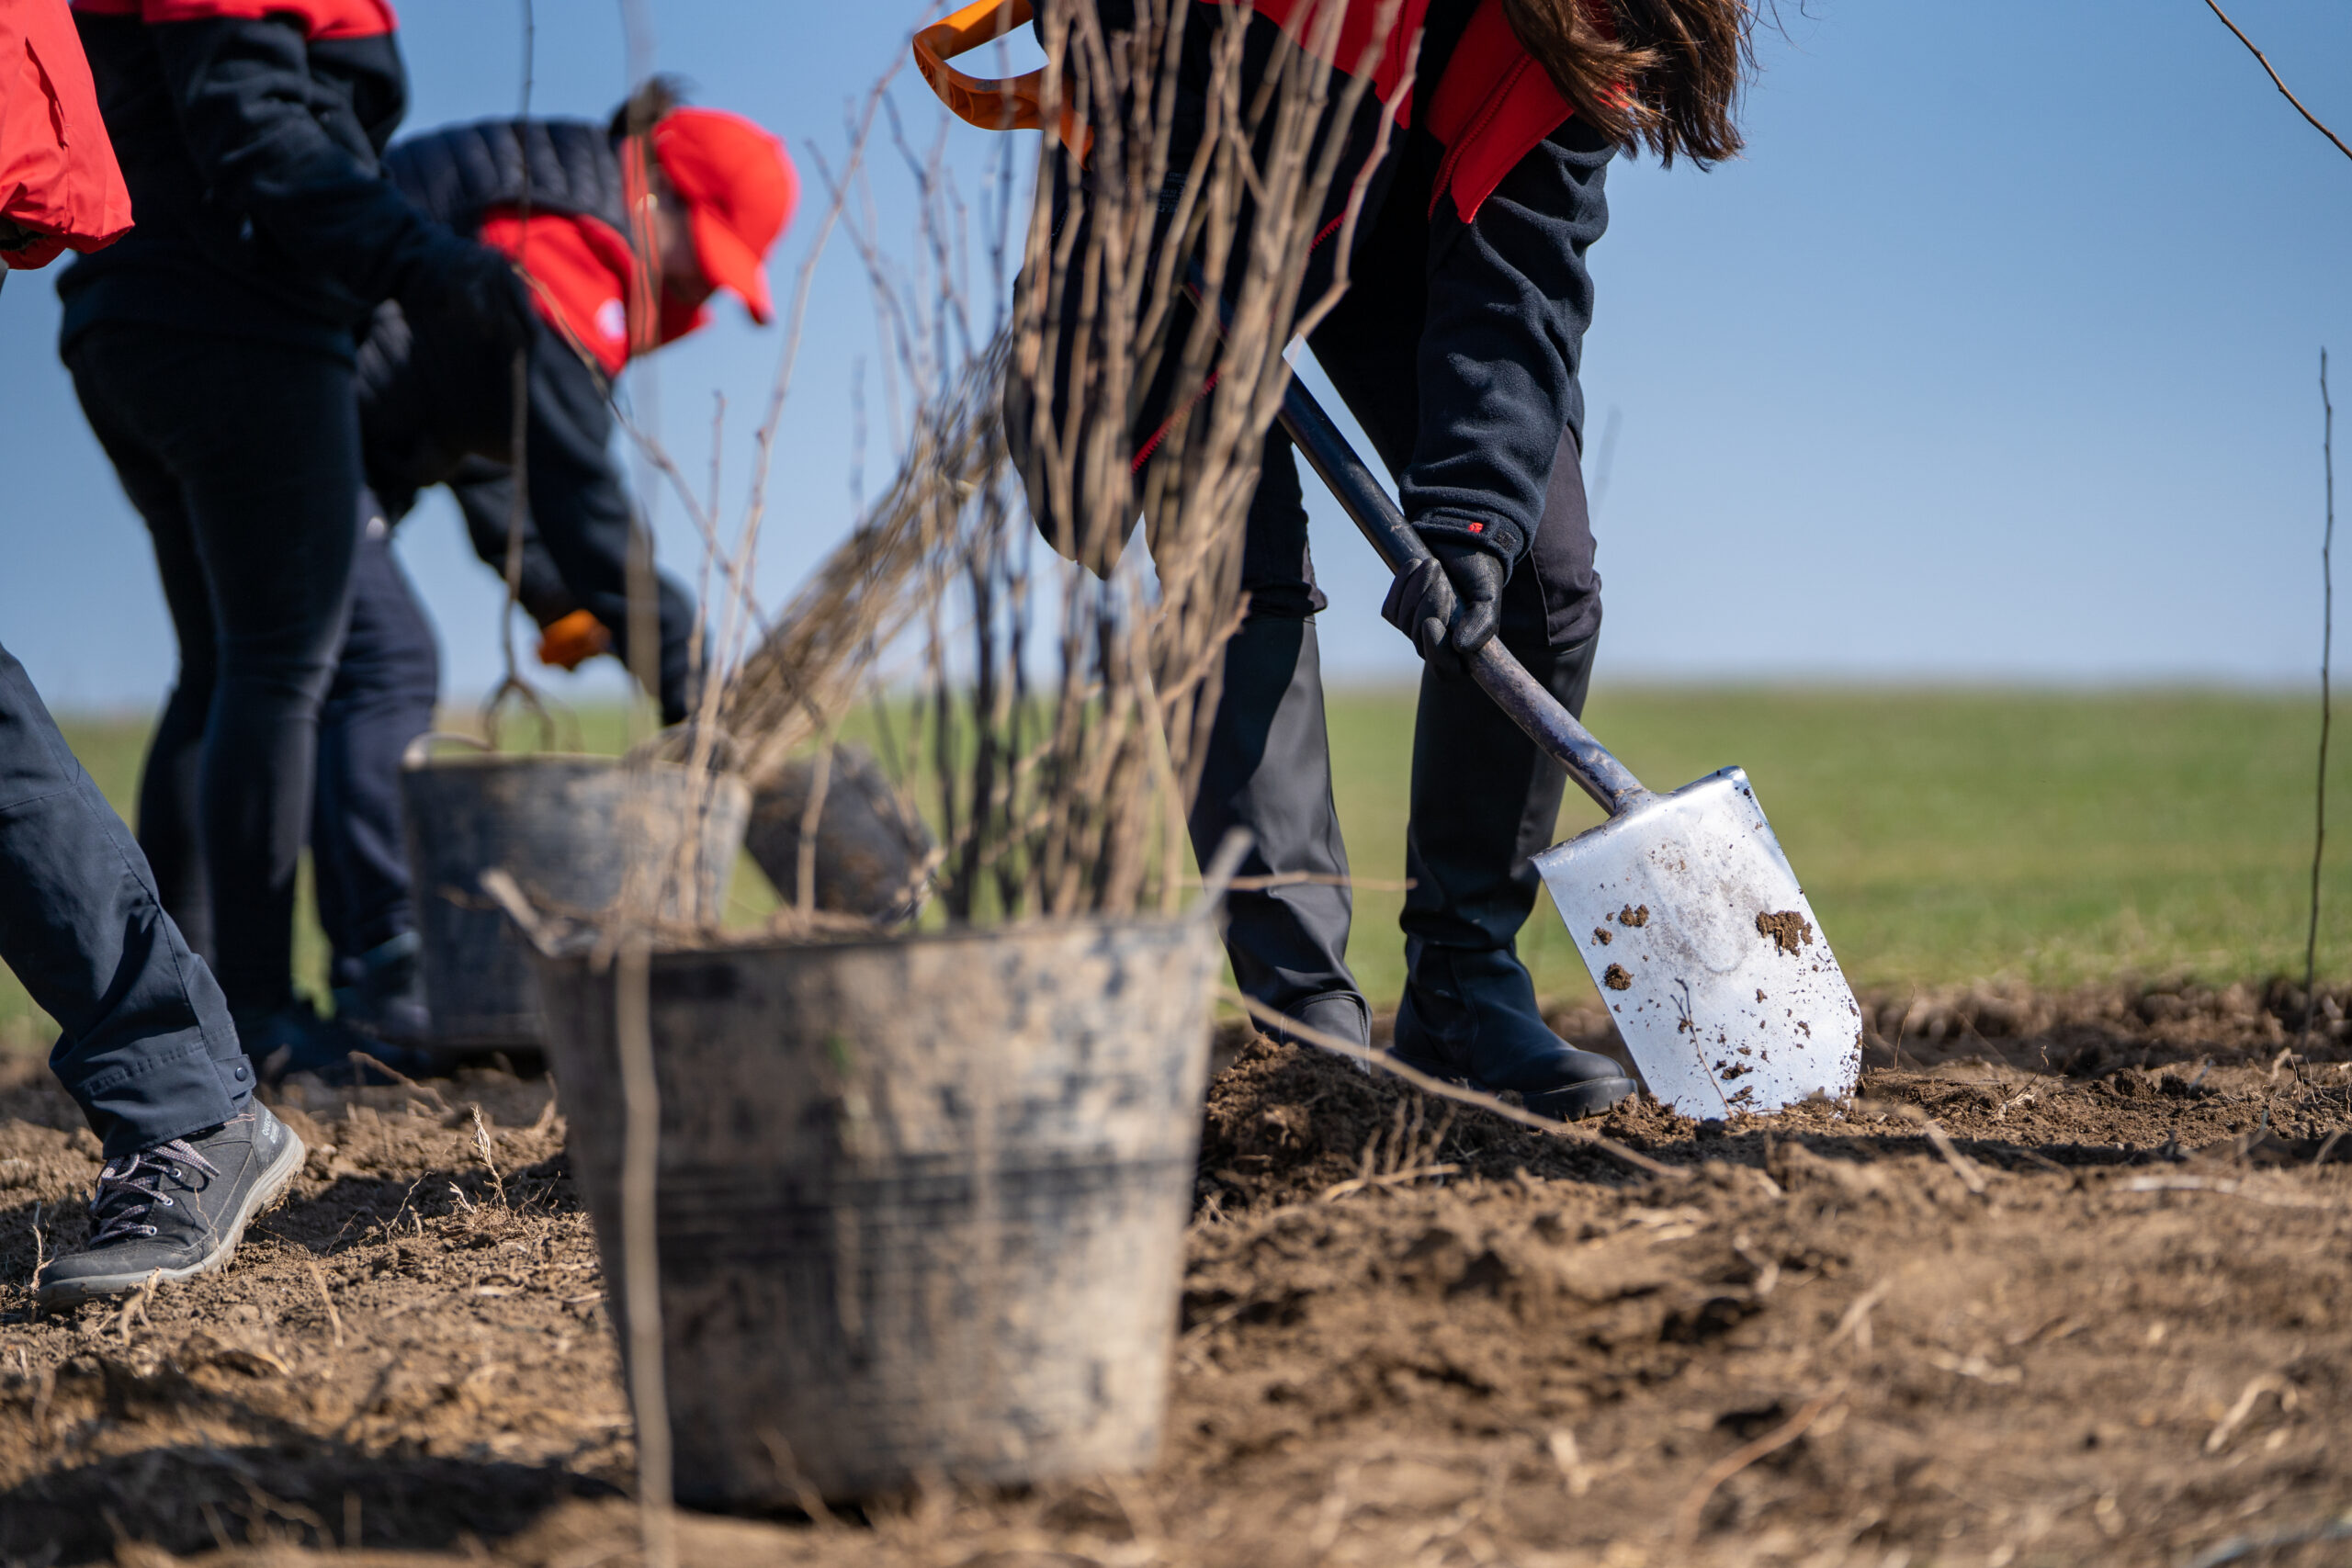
point(381, 993)
point(1269, 769)
point(1485, 802)
point(295, 1039)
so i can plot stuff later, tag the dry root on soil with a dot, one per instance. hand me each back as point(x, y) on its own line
point(2065, 1285)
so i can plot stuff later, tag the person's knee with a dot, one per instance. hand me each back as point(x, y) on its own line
point(273, 680)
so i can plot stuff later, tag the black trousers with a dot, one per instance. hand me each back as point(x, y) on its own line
point(382, 698)
point(146, 1050)
point(242, 457)
point(386, 682)
point(1484, 798)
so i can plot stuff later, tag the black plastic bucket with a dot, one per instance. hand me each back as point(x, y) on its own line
point(920, 1201)
point(574, 832)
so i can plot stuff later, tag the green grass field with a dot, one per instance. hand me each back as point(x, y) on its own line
point(1943, 836)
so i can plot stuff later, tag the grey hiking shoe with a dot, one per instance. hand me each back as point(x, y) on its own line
point(177, 1210)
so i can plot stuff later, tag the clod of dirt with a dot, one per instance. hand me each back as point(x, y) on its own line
point(1787, 929)
point(1616, 979)
point(1633, 915)
point(1601, 934)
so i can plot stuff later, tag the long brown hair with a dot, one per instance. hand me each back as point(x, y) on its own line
point(1667, 76)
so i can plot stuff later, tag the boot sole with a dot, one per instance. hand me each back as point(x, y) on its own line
point(1574, 1102)
point(267, 1194)
point(1594, 1097)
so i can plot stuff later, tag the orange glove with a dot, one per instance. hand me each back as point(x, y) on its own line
point(569, 643)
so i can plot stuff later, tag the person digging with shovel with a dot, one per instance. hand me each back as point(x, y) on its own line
point(147, 1046)
point(1456, 346)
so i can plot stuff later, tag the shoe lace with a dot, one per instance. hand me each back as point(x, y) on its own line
point(130, 1187)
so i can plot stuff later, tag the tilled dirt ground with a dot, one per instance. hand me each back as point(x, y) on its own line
point(2065, 1284)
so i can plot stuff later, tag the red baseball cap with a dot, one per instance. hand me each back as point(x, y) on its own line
point(739, 190)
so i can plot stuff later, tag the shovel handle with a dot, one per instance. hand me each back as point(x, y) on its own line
point(1530, 704)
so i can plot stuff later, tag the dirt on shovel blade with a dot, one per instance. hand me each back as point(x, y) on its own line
point(2066, 1284)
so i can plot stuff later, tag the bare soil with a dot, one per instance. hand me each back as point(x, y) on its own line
point(2065, 1284)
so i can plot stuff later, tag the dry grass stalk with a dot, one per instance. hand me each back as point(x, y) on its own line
point(326, 1300)
point(489, 1158)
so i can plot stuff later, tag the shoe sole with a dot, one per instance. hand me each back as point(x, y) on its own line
point(267, 1193)
point(1594, 1097)
point(1576, 1102)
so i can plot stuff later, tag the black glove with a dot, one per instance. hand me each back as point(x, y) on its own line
point(1452, 605)
point(476, 288)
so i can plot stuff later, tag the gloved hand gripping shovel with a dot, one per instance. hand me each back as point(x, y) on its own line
point(1685, 909)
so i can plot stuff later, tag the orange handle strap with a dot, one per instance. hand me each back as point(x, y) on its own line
point(1015, 103)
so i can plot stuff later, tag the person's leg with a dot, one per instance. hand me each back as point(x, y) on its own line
point(1469, 1007)
point(274, 511)
point(264, 443)
point(146, 1048)
point(170, 820)
point(381, 699)
point(1268, 771)
point(167, 823)
point(1485, 798)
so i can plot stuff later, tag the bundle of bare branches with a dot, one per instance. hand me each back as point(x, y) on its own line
point(805, 678)
point(1056, 732)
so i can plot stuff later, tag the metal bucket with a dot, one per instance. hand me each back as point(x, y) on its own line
point(871, 856)
point(920, 1201)
point(573, 831)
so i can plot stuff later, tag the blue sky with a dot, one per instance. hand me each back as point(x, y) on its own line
point(1994, 360)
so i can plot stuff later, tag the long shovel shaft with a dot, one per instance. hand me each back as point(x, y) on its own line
point(1531, 706)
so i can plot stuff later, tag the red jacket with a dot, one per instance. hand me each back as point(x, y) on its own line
point(57, 176)
point(1493, 104)
point(584, 279)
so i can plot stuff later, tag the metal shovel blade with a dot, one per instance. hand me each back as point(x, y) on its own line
point(1708, 956)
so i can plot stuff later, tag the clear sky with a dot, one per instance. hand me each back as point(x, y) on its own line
point(1995, 358)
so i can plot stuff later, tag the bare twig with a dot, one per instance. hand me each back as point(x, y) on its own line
point(2326, 705)
point(2265, 63)
point(362, 1062)
point(1941, 1141)
point(1856, 1319)
point(518, 505)
point(1970, 1176)
point(2227, 1427)
point(1393, 1178)
point(640, 1259)
point(2226, 1187)
point(1686, 1518)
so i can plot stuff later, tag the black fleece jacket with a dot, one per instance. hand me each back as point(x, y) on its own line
point(1509, 293)
point(251, 148)
point(1510, 298)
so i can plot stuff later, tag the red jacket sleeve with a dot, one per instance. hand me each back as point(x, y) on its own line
point(58, 179)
